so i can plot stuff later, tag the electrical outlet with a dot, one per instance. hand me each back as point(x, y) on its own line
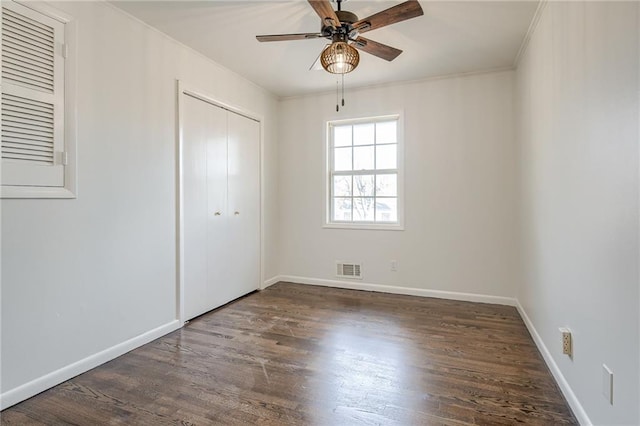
point(567, 346)
point(394, 265)
point(607, 383)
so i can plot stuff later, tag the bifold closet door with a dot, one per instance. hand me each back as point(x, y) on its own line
point(204, 128)
point(221, 210)
point(244, 205)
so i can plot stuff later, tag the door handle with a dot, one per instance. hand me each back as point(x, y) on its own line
point(236, 213)
point(217, 213)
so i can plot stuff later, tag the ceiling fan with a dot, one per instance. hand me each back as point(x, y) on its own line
point(343, 28)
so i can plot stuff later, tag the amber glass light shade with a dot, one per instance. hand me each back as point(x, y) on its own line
point(339, 58)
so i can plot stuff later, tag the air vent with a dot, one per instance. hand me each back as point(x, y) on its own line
point(27, 130)
point(349, 270)
point(27, 52)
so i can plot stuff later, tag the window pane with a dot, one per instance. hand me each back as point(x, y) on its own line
point(363, 158)
point(387, 210)
point(342, 159)
point(387, 185)
point(364, 172)
point(342, 136)
point(341, 209)
point(386, 132)
point(363, 186)
point(342, 186)
point(386, 157)
point(363, 209)
point(363, 134)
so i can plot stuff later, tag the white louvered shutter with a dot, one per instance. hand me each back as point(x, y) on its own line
point(32, 98)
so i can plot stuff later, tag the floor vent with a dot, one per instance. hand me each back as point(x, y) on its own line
point(349, 270)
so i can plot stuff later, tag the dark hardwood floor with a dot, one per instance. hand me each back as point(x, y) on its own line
point(305, 355)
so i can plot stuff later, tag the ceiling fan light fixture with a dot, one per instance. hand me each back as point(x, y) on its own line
point(339, 58)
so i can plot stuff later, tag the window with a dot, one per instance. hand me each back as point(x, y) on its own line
point(38, 145)
point(364, 174)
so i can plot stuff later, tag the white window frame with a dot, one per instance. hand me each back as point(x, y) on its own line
point(69, 189)
point(384, 226)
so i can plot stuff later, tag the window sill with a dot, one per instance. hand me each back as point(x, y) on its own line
point(35, 192)
point(364, 226)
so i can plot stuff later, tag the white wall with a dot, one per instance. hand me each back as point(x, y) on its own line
point(577, 87)
point(459, 187)
point(80, 276)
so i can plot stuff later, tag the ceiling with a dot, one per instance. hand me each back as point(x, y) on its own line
point(451, 37)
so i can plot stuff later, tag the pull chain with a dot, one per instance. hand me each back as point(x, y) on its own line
point(338, 93)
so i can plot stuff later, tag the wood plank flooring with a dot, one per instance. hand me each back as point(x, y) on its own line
point(304, 355)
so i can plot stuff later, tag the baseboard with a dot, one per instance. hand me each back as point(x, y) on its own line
point(271, 281)
point(410, 291)
point(34, 387)
point(568, 393)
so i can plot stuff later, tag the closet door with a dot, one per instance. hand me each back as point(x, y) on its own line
point(244, 205)
point(221, 210)
point(204, 166)
point(218, 224)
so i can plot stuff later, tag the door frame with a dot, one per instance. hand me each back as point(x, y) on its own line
point(183, 90)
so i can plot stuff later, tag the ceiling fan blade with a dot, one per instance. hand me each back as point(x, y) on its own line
point(401, 12)
point(317, 65)
point(325, 11)
point(285, 37)
point(377, 49)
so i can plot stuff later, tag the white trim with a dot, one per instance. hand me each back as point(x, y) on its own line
point(532, 29)
point(215, 101)
point(7, 191)
point(271, 281)
point(327, 223)
point(34, 387)
point(399, 83)
point(71, 107)
point(182, 45)
point(262, 204)
point(70, 188)
point(365, 226)
point(309, 93)
point(47, 10)
point(179, 209)
point(185, 89)
point(568, 393)
point(410, 291)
